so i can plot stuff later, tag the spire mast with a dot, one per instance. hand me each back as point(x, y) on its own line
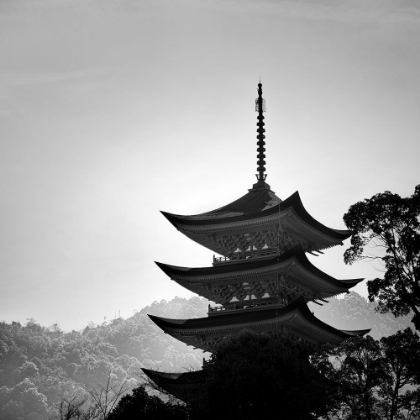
point(260, 108)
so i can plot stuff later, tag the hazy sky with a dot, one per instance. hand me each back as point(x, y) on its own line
point(112, 110)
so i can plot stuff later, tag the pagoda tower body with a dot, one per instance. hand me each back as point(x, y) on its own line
point(262, 280)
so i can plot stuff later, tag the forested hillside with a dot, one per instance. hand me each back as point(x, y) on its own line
point(41, 365)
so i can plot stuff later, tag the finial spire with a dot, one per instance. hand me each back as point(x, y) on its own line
point(260, 108)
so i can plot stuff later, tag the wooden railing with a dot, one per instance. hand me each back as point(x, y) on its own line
point(243, 256)
point(217, 310)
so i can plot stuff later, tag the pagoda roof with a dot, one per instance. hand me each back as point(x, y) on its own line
point(255, 201)
point(294, 261)
point(180, 378)
point(256, 204)
point(232, 227)
point(183, 386)
point(296, 253)
point(295, 316)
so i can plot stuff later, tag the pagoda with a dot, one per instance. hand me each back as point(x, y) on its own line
point(262, 279)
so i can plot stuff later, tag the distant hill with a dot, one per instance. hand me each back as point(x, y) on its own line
point(354, 312)
point(39, 366)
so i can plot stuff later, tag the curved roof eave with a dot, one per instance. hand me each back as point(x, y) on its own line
point(295, 252)
point(266, 314)
point(168, 376)
point(179, 378)
point(294, 202)
point(353, 333)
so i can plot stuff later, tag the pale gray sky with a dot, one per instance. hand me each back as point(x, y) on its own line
point(113, 110)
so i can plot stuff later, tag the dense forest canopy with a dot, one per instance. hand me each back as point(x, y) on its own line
point(39, 366)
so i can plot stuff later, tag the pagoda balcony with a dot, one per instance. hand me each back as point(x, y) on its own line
point(246, 306)
point(239, 257)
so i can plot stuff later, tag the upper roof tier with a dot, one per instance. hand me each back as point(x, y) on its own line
point(254, 202)
point(268, 222)
point(259, 223)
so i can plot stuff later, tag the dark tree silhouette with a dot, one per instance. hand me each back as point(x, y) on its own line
point(392, 223)
point(252, 376)
point(401, 390)
point(374, 379)
point(356, 368)
point(140, 405)
point(105, 397)
point(71, 409)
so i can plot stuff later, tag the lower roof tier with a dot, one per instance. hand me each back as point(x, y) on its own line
point(184, 386)
point(294, 320)
point(246, 227)
point(285, 277)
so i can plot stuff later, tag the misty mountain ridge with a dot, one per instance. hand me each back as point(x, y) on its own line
point(39, 366)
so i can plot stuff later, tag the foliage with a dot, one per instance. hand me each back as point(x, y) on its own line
point(254, 375)
point(105, 398)
point(141, 405)
point(23, 401)
point(374, 379)
point(63, 367)
point(402, 358)
point(392, 224)
point(71, 409)
point(357, 372)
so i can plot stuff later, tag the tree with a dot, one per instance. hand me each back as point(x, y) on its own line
point(391, 223)
point(400, 390)
point(141, 405)
point(374, 379)
point(23, 401)
point(105, 397)
point(356, 369)
point(71, 409)
point(252, 376)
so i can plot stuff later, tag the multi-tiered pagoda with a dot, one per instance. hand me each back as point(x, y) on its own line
point(263, 280)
